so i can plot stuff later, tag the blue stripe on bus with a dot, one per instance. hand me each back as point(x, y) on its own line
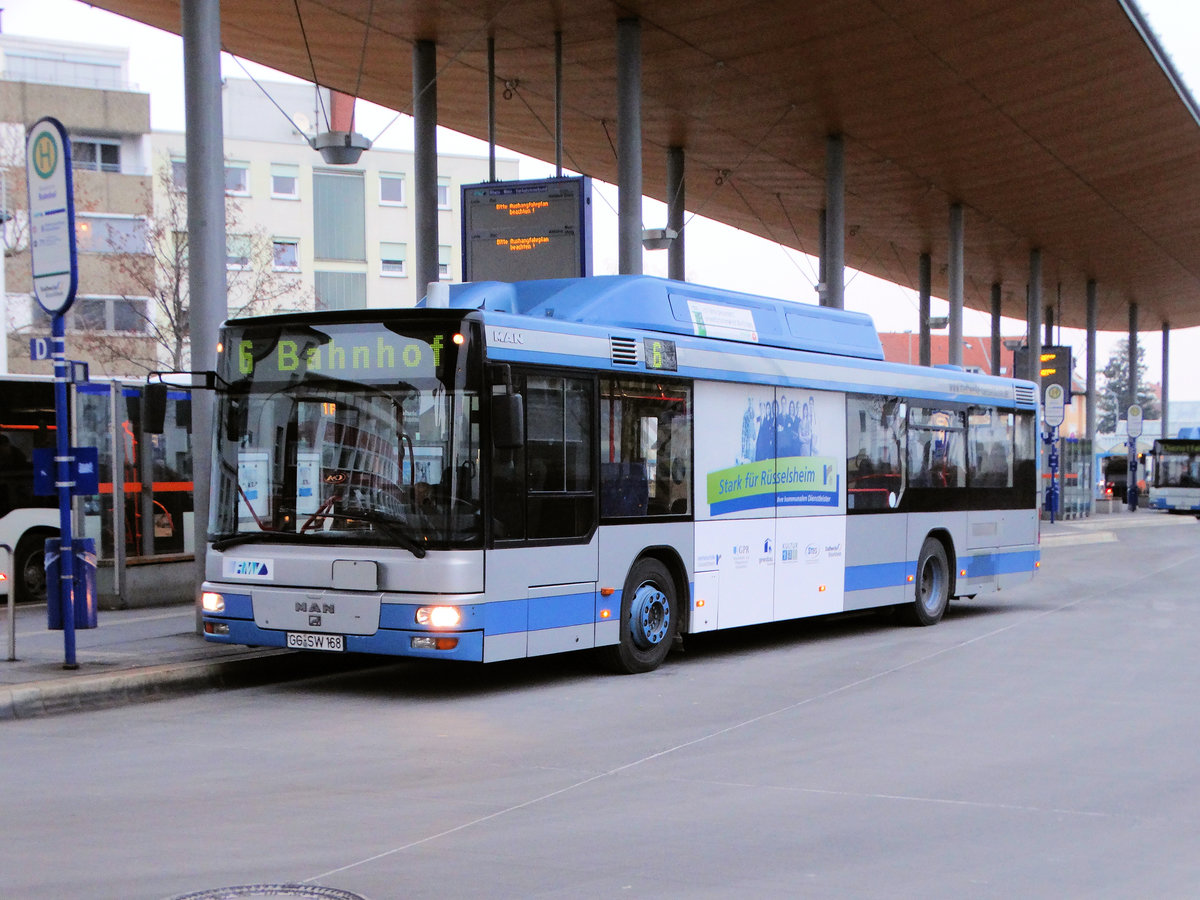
point(882, 575)
point(507, 616)
point(878, 575)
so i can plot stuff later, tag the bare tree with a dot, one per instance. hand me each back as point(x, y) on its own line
point(153, 269)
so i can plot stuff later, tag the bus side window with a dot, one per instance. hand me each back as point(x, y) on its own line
point(874, 471)
point(646, 448)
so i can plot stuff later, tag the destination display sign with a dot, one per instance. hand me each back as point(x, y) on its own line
point(362, 352)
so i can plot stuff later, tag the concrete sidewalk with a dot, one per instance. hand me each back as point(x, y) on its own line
point(134, 655)
point(146, 654)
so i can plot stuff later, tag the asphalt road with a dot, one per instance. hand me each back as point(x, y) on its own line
point(1041, 743)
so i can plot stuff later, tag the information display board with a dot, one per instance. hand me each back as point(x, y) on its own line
point(1054, 366)
point(519, 230)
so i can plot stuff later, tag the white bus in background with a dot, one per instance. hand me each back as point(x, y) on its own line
point(156, 516)
point(1175, 481)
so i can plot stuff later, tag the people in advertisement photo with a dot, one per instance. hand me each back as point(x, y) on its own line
point(774, 452)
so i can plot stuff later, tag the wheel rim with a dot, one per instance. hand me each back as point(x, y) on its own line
point(931, 585)
point(33, 577)
point(650, 616)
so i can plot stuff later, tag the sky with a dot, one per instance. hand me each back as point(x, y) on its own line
point(717, 255)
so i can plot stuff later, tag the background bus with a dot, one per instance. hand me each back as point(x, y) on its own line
point(155, 519)
point(1175, 484)
point(609, 462)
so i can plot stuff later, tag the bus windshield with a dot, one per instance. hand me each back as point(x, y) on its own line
point(356, 433)
point(1177, 465)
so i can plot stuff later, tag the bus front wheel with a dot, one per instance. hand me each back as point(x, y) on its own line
point(649, 620)
point(932, 585)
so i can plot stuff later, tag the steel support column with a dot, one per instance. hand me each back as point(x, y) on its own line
point(1132, 379)
point(558, 104)
point(1091, 366)
point(207, 253)
point(1033, 315)
point(1131, 491)
point(491, 101)
point(822, 256)
point(996, 344)
point(425, 208)
point(629, 147)
point(1166, 378)
point(954, 271)
point(924, 290)
point(835, 223)
point(676, 261)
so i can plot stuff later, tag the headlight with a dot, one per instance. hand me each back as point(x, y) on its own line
point(212, 602)
point(439, 616)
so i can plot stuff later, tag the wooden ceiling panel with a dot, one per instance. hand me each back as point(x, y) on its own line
point(1054, 125)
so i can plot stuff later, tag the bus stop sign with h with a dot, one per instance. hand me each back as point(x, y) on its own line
point(1133, 421)
point(55, 280)
point(1053, 413)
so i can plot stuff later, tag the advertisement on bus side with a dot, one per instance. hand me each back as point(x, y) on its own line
point(766, 449)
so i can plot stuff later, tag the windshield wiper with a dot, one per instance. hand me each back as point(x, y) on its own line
point(249, 537)
point(397, 529)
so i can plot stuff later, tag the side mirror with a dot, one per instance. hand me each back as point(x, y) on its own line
point(235, 420)
point(508, 421)
point(154, 407)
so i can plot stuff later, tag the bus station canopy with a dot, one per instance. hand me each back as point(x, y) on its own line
point(1057, 126)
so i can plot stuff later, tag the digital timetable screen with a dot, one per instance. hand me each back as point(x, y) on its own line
point(519, 230)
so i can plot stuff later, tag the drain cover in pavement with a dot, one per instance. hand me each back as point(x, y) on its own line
point(271, 892)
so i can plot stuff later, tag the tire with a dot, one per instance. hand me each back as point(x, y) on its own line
point(932, 586)
point(29, 568)
point(649, 620)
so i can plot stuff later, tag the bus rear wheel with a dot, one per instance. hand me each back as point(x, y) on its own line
point(649, 620)
point(932, 585)
point(29, 568)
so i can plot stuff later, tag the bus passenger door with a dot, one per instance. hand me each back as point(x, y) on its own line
point(542, 566)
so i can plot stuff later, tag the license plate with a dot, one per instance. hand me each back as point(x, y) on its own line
point(304, 641)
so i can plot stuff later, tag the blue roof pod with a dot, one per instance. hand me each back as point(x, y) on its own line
point(660, 304)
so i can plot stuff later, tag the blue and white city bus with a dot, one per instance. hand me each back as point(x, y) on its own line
point(611, 463)
point(1175, 483)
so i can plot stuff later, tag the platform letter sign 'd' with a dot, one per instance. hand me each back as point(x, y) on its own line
point(51, 215)
point(1054, 409)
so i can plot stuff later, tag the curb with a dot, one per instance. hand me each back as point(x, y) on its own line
point(140, 685)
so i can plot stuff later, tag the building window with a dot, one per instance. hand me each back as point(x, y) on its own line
point(340, 290)
point(95, 155)
point(285, 181)
point(121, 315)
point(179, 174)
point(238, 251)
point(391, 190)
point(339, 216)
point(444, 261)
point(237, 179)
point(393, 259)
point(110, 234)
point(286, 254)
point(443, 193)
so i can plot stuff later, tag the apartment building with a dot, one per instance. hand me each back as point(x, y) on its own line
point(345, 233)
point(301, 234)
point(87, 88)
